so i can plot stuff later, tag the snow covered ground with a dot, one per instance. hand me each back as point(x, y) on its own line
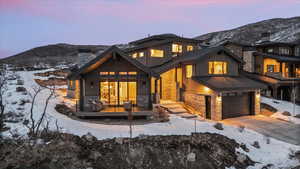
point(283, 106)
point(276, 152)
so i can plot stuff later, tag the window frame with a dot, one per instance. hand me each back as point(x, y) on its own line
point(212, 71)
point(189, 74)
point(176, 48)
point(189, 48)
point(152, 52)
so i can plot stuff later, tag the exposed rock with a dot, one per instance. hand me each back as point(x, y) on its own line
point(63, 109)
point(219, 126)
point(244, 147)
point(256, 144)
point(268, 166)
point(199, 151)
point(286, 113)
point(60, 73)
point(21, 89)
point(20, 82)
point(24, 101)
point(52, 81)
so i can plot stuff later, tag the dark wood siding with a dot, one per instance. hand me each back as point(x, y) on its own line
point(202, 65)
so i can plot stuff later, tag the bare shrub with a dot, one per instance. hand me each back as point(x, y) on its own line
point(241, 128)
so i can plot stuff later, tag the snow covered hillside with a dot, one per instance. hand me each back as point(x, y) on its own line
point(276, 152)
point(283, 106)
point(281, 29)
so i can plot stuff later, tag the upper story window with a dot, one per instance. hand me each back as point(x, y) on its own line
point(297, 51)
point(157, 53)
point(176, 48)
point(189, 48)
point(132, 73)
point(270, 50)
point(284, 51)
point(141, 54)
point(188, 71)
point(103, 73)
point(217, 67)
point(134, 55)
point(107, 73)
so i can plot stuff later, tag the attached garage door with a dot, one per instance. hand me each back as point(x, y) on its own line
point(235, 106)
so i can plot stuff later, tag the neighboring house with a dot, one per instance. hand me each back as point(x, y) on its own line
point(207, 80)
point(277, 64)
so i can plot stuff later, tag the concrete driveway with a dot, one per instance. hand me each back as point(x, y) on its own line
point(278, 129)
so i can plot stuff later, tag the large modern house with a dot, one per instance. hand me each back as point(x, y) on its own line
point(276, 64)
point(207, 80)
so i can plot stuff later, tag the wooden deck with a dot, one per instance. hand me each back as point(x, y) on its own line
point(116, 112)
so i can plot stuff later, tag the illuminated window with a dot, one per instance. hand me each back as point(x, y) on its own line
point(71, 83)
point(270, 68)
point(157, 53)
point(217, 68)
point(176, 48)
point(298, 72)
point(141, 54)
point(112, 73)
point(122, 73)
point(132, 73)
point(190, 48)
point(103, 73)
point(189, 71)
point(270, 50)
point(134, 55)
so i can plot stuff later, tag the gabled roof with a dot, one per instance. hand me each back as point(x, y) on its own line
point(104, 56)
point(229, 83)
point(194, 56)
point(278, 57)
point(162, 37)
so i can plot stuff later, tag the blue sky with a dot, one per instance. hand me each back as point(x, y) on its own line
point(25, 24)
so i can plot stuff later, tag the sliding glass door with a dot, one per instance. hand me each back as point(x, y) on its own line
point(117, 93)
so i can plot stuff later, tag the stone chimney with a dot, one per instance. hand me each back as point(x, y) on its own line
point(84, 56)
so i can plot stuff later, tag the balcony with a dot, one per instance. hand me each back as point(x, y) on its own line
point(282, 76)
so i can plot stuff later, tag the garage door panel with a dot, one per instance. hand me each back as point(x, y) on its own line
point(235, 106)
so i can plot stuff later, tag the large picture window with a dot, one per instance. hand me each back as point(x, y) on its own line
point(217, 67)
point(157, 53)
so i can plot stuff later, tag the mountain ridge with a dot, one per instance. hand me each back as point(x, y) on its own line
point(281, 29)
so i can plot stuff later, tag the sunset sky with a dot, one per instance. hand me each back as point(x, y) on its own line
point(25, 24)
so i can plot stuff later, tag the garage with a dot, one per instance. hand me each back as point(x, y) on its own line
point(236, 105)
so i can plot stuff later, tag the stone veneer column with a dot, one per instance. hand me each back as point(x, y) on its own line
point(257, 102)
point(216, 107)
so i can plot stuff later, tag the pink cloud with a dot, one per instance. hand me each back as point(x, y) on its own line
point(137, 10)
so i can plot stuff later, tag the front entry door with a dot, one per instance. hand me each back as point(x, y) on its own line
point(117, 93)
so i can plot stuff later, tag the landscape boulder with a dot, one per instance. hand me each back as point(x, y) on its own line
point(286, 113)
point(21, 89)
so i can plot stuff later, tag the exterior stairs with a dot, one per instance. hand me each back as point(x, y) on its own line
point(177, 108)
